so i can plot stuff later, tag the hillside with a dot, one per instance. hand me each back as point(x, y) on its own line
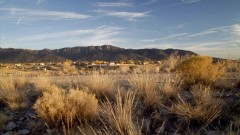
point(89, 53)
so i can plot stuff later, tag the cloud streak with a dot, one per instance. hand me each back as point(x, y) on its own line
point(130, 16)
point(190, 1)
point(113, 4)
point(35, 15)
point(99, 33)
point(40, 1)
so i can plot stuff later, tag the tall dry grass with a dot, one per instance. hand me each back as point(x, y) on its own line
point(41, 83)
point(201, 69)
point(234, 127)
point(101, 85)
point(13, 92)
point(146, 87)
point(58, 107)
point(118, 117)
point(204, 108)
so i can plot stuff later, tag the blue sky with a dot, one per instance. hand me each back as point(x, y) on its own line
point(208, 27)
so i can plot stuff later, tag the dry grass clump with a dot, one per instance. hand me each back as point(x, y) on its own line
point(57, 106)
point(13, 92)
point(68, 68)
point(234, 127)
point(200, 69)
point(101, 85)
point(118, 117)
point(146, 88)
point(204, 108)
point(171, 63)
point(41, 84)
point(171, 89)
point(232, 66)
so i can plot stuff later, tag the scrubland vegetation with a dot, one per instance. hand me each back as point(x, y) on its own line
point(195, 95)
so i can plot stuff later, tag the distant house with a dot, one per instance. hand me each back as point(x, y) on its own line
point(145, 63)
point(93, 63)
point(41, 64)
point(18, 65)
point(112, 64)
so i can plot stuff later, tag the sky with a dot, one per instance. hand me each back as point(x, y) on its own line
point(207, 27)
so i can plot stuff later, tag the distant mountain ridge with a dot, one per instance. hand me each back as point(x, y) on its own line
point(88, 53)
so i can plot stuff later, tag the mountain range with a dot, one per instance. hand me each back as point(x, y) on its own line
point(88, 53)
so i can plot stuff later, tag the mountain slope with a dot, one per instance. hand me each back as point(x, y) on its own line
point(105, 52)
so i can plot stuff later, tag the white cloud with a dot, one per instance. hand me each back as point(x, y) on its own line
point(236, 30)
point(40, 1)
point(165, 38)
point(204, 33)
point(113, 4)
point(149, 2)
point(101, 32)
point(190, 1)
point(34, 15)
point(222, 42)
point(130, 16)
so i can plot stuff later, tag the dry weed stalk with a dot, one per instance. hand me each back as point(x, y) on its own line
point(118, 117)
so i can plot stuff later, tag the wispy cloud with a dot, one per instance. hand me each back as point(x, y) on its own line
point(105, 34)
point(40, 1)
point(113, 4)
point(190, 1)
point(19, 20)
point(100, 32)
point(35, 15)
point(130, 16)
point(165, 38)
point(227, 29)
point(228, 41)
point(149, 2)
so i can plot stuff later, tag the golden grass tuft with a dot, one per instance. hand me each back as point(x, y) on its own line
point(13, 92)
point(204, 108)
point(101, 85)
point(201, 69)
point(118, 117)
point(41, 83)
point(59, 107)
point(146, 88)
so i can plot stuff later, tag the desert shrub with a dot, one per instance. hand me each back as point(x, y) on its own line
point(204, 108)
point(12, 92)
point(170, 64)
point(200, 69)
point(232, 66)
point(58, 107)
point(146, 88)
point(118, 117)
point(68, 68)
point(101, 85)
